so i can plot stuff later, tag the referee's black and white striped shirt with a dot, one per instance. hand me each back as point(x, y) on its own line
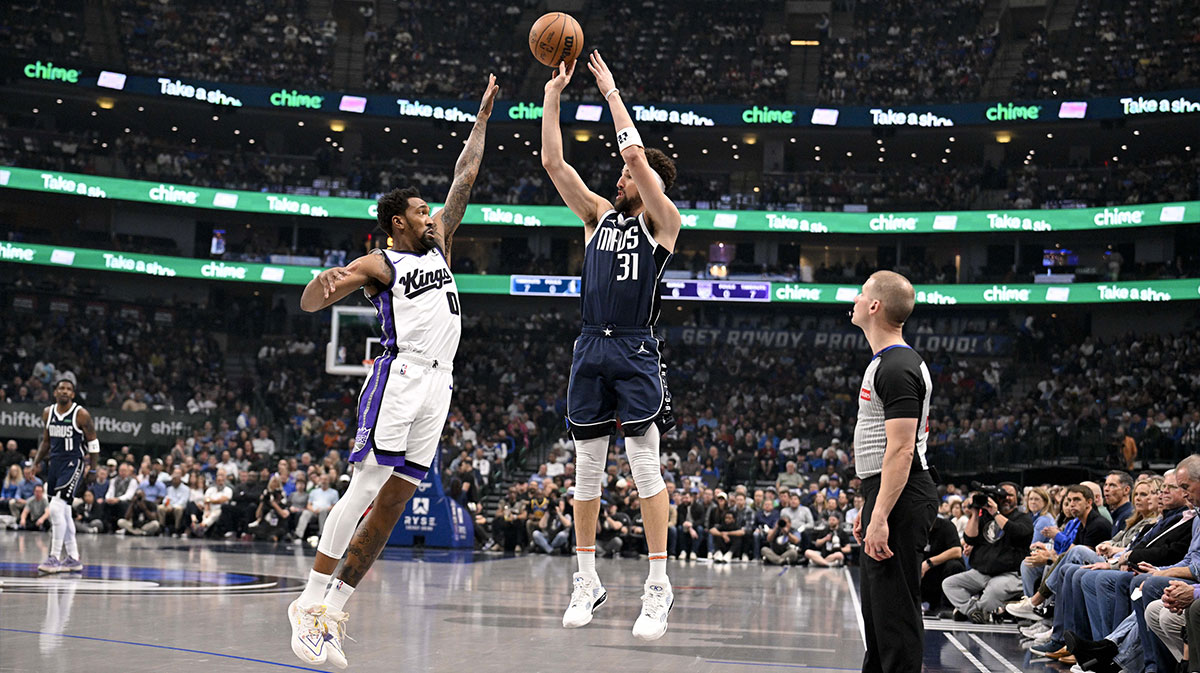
point(896, 385)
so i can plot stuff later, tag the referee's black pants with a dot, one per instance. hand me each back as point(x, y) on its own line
point(891, 589)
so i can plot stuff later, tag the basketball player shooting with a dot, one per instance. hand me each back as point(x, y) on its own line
point(69, 436)
point(404, 402)
point(616, 369)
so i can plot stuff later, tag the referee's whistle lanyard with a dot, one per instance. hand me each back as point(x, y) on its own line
point(881, 352)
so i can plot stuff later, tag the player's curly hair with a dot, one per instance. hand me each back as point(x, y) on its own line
point(394, 203)
point(662, 165)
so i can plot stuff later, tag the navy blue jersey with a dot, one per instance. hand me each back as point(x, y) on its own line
point(622, 267)
point(66, 437)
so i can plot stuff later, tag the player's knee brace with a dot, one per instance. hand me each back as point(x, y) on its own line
point(343, 518)
point(590, 455)
point(644, 462)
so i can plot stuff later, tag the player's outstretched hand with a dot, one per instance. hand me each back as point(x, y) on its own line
point(489, 97)
point(604, 76)
point(561, 78)
point(329, 278)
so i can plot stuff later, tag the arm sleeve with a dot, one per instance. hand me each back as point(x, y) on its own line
point(1020, 528)
point(900, 388)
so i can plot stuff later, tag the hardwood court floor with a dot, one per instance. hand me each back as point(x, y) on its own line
point(160, 604)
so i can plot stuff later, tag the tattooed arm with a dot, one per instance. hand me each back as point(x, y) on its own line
point(465, 171)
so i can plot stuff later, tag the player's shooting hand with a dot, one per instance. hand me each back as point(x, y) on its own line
point(329, 278)
point(875, 544)
point(604, 76)
point(489, 97)
point(561, 78)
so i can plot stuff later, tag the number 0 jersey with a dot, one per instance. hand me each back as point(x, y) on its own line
point(419, 313)
point(622, 267)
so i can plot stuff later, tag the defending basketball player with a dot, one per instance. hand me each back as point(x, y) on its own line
point(69, 436)
point(616, 369)
point(404, 402)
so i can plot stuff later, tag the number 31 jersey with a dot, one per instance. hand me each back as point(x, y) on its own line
point(622, 268)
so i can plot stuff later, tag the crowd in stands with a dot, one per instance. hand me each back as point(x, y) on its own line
point(255, 42)
point(1114, 47)
point(447, 48)
point(516, 177)
point(48, 29)
point(916, 51)
point(691, 52)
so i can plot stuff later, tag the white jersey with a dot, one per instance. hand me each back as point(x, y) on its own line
point(419, 313)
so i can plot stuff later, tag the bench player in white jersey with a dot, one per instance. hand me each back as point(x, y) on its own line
point(404, 402)
point(69, 442)
point(616, 366)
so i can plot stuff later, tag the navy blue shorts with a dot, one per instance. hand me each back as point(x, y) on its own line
point(617, 376)
point(64, 476)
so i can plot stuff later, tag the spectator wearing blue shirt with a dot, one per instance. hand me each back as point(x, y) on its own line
point(154, 485)
point(1117, 489)
point(834, 488)
point(24, 492)
point(286, 477)
point(764, 521)
point(8, 490)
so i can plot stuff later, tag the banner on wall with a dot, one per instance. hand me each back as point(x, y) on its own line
point(800, 223)
point(840, 340)
point(304, 99)
point(113, 426)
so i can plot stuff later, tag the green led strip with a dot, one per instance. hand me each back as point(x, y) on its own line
point(282, 274)
point(1080, 219)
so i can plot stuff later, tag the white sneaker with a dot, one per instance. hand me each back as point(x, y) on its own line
point(1037, 629)
point(657, 600)
point(308, 635)
point(334, 625)
point(586, 596)
point(1042, 638)
point(1022, 609)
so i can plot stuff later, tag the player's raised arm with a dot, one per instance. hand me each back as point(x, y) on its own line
point(586, 204)
point(661, 211)
point(332, 285)
point(466, 169)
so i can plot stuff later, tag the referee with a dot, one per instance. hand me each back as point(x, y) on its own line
point(889, 455)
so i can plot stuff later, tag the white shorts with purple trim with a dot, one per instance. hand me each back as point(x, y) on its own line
point(402, 410)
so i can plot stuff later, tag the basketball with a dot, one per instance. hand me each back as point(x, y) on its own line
point(556, 37)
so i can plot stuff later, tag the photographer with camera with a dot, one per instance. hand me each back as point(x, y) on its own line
point(554, 529)
point(141, 518)
point(997, 536)
point(783, 544)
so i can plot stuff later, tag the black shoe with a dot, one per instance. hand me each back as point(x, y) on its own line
point(977, 616)
point(1103, 652)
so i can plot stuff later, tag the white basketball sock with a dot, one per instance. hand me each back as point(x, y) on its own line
point(338, 594)
point(587, 559)
point(658, 566)
point(314, 591)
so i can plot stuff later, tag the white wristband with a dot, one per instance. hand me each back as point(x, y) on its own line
point(627, 137)
point(93, 446)
point(611, 92)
